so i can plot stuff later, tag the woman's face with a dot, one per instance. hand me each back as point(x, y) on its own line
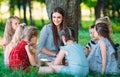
point(57, 18)
point(15, 23)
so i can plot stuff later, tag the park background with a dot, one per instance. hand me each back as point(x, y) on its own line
point(36, 12)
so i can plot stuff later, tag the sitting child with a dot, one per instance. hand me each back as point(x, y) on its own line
point(11, 25)
point(74, 54)
point(24, 53)
point(102, 57)
point(92, 42)
point(15, 40)
point(106, 20)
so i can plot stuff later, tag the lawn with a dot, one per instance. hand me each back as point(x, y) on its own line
point(83, 39)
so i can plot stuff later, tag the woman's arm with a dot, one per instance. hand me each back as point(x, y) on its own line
point(59, 57)
point(42, 42)
point(48, 52)
point(104, 56)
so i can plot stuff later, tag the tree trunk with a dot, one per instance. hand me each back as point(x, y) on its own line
point(98, 8)
point(12, 7)
point(104, 8)
point(19, 4)
point(72, 11)
point(24, 2)
point(30, 8)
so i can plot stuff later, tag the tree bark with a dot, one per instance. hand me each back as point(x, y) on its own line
point(98, 8)
point(72, 11)
point(30, 8)
point(19, 5)
point(104, 8)
point(24, 2)
point(12, 7)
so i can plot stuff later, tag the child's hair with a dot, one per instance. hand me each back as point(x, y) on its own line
point(103, 30)
point(29, 32)
point(69, 34)
point(105, 20)
point(9, 30)
point(15, 40)
point(17, 36)
point(91, 27)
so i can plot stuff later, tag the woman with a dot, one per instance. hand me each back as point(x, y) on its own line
point(77, 64)
point(50, 35)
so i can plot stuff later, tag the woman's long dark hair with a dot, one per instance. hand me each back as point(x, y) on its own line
point(103, 30)
point(62, 25)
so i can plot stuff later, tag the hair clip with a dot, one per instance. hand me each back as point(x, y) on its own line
point(23, 24)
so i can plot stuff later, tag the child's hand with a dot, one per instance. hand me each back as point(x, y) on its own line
point(32, 47)
point(32, 44)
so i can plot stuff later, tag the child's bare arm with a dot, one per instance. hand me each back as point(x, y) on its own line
point(104, 56)
point(31, 56)
point(59, 57)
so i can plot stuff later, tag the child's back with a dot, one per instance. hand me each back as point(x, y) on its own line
point(76, 58)
point(95, 58)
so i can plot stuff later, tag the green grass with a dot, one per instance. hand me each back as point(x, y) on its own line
point(83, 38)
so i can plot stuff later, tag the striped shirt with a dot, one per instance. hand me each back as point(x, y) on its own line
point(90, 44)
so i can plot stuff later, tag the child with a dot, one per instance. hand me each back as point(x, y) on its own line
point(24, 54)
point(102, 58)
point(74, 54)
point(15, 40)
point(11, 25)
point(106, 20)
point(92, 42)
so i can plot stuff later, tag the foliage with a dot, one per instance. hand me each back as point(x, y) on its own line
point(42, 1)
point(90, 3)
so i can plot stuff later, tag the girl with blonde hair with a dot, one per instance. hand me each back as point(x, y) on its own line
point(15, 40)
point(10, 27)
point(24, 53)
